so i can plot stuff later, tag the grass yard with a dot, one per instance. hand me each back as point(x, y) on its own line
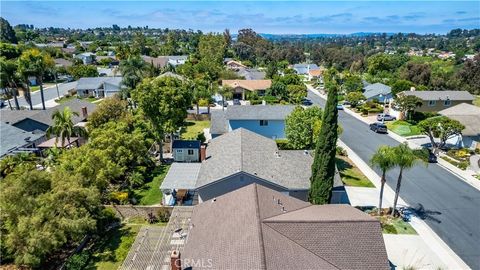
point(149, 193)
point(403, 128)
point(395, 226)
point(193, 128)
point(34, 88)
point(65, 99)
point(350, 174)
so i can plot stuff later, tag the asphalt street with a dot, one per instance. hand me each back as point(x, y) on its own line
point(49, 93)
point(451, 207)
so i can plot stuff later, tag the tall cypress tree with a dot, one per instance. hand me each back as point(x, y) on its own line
point(323, 168)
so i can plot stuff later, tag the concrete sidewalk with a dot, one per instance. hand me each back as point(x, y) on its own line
point(437, 246)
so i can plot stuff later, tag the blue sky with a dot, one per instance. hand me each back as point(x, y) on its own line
point(264, 17)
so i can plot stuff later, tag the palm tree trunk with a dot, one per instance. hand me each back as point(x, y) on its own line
point(40, 80)
point(397, 191)
point(15, 98)
point(27, 95)
point(198, 108)
point(382, 186)
point(223, 103)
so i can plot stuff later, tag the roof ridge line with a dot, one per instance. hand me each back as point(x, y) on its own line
point(260, 235)
point(314, 221)
point(295, 242)
point(287, 212)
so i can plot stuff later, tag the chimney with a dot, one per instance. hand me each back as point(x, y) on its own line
point(175, 261)
point(84, 112)
point(203, 152)
point(412, 88)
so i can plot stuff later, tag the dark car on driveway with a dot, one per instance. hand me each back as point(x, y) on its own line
point(379, 127)
point(236, 102)
point(386, 117)
point(307, 102)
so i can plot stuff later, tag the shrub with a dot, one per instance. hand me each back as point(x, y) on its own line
point(340, 151)
point(119, 197)
point(283, 144)
point(201, 137)
point(203, 102)
point(77, 261)
point(422, 154)
point(163, 214)
point(389, 229)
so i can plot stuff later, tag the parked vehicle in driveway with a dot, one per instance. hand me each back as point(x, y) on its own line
point(339, 107)
point(386, 117)
point(223, 103)
point(379, 127)
point(236, 102)
point(307, 102)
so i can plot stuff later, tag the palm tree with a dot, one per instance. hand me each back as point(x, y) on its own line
point(63, 126)
point(133, 70)
point(8, 79)
point(384, 160)
point(404, 158)
point(226, 92)
point(32, 62)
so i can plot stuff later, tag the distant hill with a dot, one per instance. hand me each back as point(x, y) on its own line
point(320, 35)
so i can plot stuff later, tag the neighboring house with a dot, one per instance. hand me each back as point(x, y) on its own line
point(435, 101)
point(303, 69)
point(98, 87)
point(240, 87)
point(15, 140)
point(158, 62)
point(176, 60)
point(378, 91)
point(266, 120)
point(469, 116)
point(235, 65)
point(60, 62)
point(256, 227)
point(180, 183)
point(41, 120)
point(315, 74)
point(242, 157)
point(186, 151)
point(87, 58)
point(171, 74)
point(114, 61)
point(251, 73)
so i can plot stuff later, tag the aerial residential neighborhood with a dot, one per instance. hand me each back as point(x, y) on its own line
point(177, 135)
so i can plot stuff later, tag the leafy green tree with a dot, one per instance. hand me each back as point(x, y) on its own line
point(9, 78)
point(384, 159)
point(278, 89)
point(355, 98)
point(401, 85)
point(79, 71)
point(323, 168)
point(352, 83)
point(469, 75)
point(418, 73)
point(296, 93)
point(404, 158)
point(226, 92)
point(164, 101)
point(7, 34)
point(133, 71)
point(63, 126)
point(301, 127)
point(407, 104)
point(110, 109)
point(440, 127)
point(32, 62)
point(9, 51)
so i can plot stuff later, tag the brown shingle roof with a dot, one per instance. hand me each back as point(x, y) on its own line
point(468, 115)
point(249, 229)
point(251, 85)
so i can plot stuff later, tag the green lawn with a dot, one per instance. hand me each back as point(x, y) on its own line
point(403, 128)
point(150, 193)
point(34, 88)
point(477, 101)
point(193, 128)
point(396, 226)
point(350, 174)
point(65, 99)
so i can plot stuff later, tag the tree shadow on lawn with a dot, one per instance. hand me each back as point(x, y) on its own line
point(342, 164)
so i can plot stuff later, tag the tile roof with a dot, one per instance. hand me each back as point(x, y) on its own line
point(251, 85)
point(440, 95)
point(186, 144)
point(181, 176)
point(468, 115)
point(249, 229)
point(13, 137)
point(243, 151)
point(315, 72)
point(87, 83)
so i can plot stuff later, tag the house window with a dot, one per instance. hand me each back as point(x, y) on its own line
point(179, 150)
point(190, 152)
point(447, 102)
point(263, 122)
point(432, 103)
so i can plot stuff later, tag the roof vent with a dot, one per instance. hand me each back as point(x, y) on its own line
point(277, 154)
point(283, 209)
point(279, 202)
point(214, 200)
point(305, 152)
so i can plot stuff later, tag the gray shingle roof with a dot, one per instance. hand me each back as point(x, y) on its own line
point(12, 138)
point(218, 122)
point(248, 229)
point(88, 83)
point(259, 112)
point(14, 116)
point(251, 74)
point(245, 151)
point(181, 176)
point(441, 95)
point(304, 68)
point(468, 115)
point(376, 89)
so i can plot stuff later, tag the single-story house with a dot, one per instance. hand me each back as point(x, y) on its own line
point(98, 87)
point(87, 57)
point(255, 227)
point(41, 120)
point(186, 151)
point(235, 65)
point(315, 74)
point(240, 87)
point(176, 60)
point(378, 91)
point(303, 69)
point(469, 116)
point(242, 157)
point(251, 73)
point(179, 184)
point(158, 62)
point(113, 60)
point(60, 62)
point(435, 101)
point(266, 120)
point(15, 140)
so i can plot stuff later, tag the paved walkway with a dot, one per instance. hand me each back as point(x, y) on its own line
point(154, 244)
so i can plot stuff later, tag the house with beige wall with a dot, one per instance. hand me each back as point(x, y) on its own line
point(435, 101)
point(240, 88)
